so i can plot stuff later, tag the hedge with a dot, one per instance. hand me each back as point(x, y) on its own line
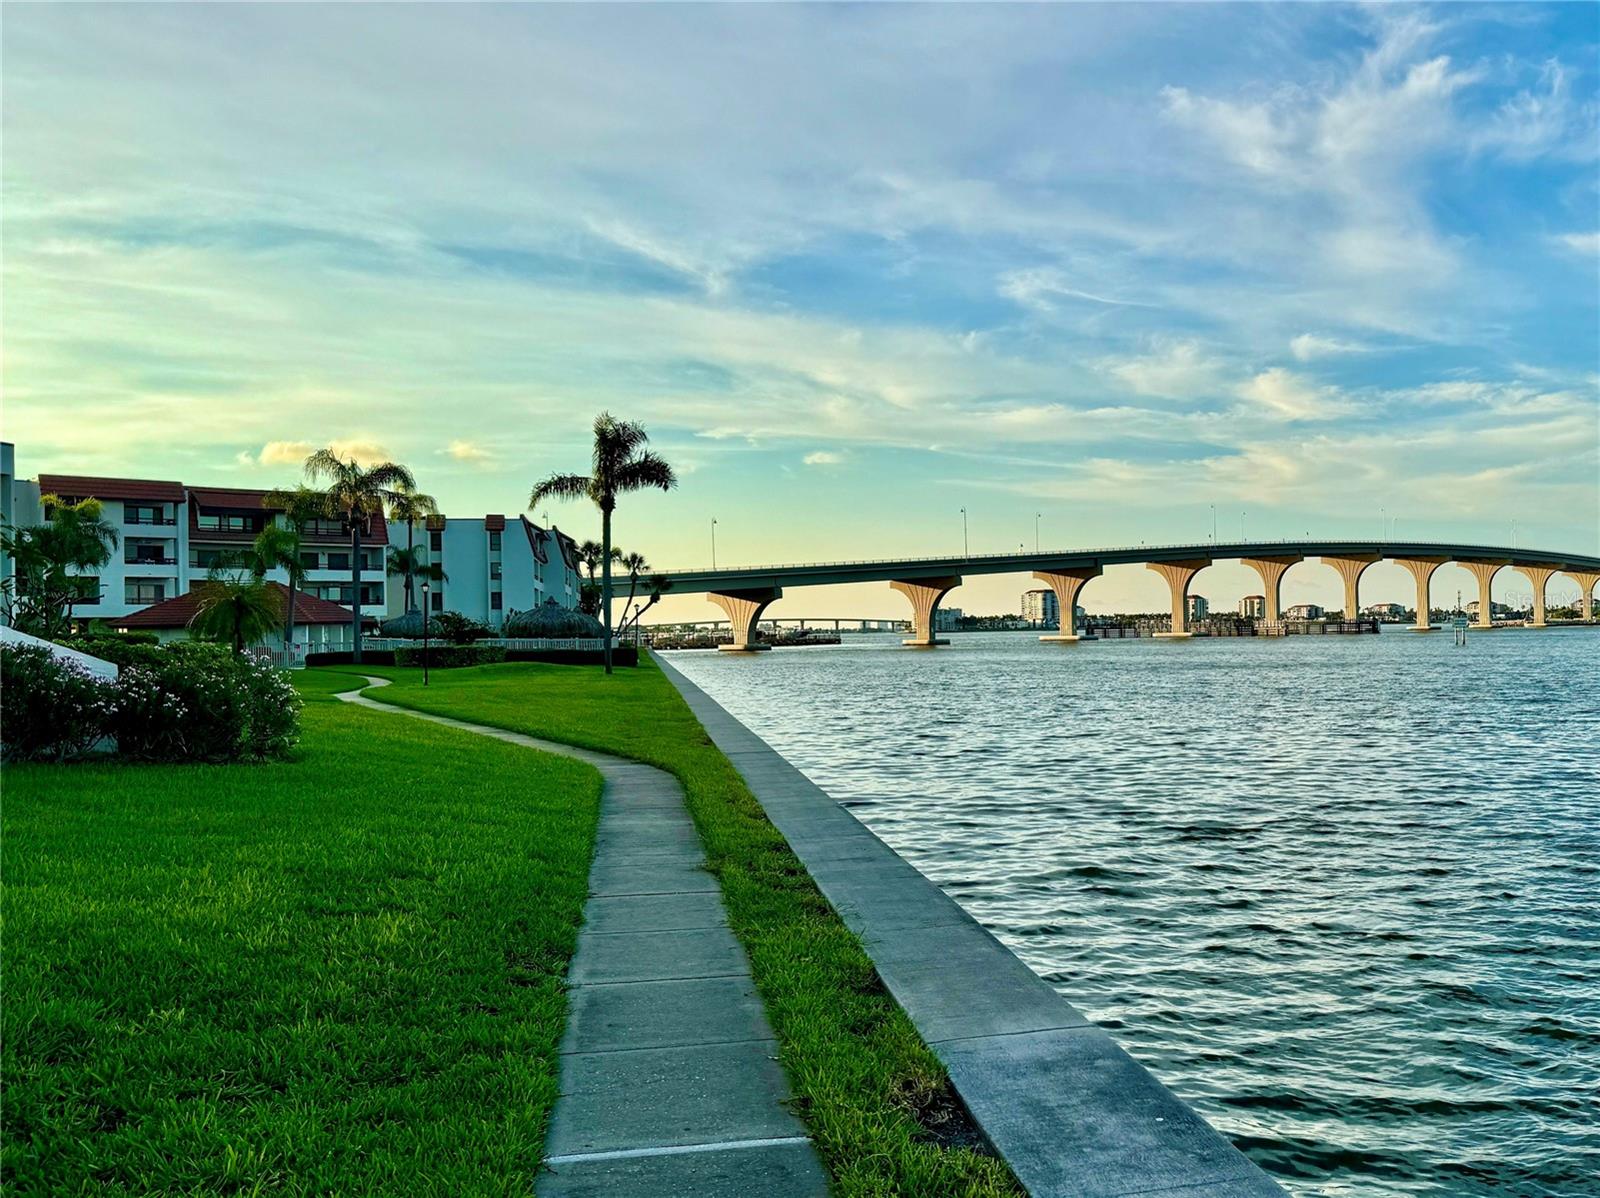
point(448, 657)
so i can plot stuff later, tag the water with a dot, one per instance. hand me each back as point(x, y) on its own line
point(1340, 893)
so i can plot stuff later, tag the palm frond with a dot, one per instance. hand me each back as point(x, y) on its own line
point(646, 470)
point(329, 467)
point(562, 486)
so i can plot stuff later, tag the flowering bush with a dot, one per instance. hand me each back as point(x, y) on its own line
point(203, 703)
point(50, 709)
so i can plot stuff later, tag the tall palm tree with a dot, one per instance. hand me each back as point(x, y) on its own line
point(621, 464)
point(636, 565)
point(240, 607)
point(40, 596)
point(299, 506)
point(278, 548)
point(412, 564)
point(590, 553)
point(412, 506)
point(358, 494)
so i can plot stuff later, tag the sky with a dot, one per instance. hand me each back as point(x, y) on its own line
point(1088, 272)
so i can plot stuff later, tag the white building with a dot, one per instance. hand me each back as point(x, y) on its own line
point(493, 566)
point(1198, 607)
point(947, 619)
point(1303, 611)
point(1253, 607)
point(1042, 608)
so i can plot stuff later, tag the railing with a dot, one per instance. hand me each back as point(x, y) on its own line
point(147, 521)
point(150, 561)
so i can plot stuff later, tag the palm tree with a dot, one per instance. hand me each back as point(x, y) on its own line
point(412, 565)
point(299, 506)
point(412, 506)
point(636, 565)
point(240, 607)
point(278, 548)
point(621, 464)
point(358, 495)
point(40, 597)
point(590, 553)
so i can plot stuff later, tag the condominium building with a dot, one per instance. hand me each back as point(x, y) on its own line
point(1198, 607)
point(1253, 607)
point(170, 535)
point(493, 566)
point(1041, 608)
point(1303, 611)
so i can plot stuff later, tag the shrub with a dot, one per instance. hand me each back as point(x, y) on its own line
point(202, 703)
point(133, 648)
point(457, 629)
point(446, 657)
point(50, 709)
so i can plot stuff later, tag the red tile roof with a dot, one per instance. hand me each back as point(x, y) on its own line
point(494, 523)
point(233, 499)
point(180, 609)
point(77, 486)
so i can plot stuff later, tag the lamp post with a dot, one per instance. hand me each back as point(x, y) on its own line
point(966, 552)
point(1037, 516)
point(1213, 524)
point(713, 542)
point(425, 589)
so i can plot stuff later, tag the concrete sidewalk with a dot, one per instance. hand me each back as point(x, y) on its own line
point(669, 1077)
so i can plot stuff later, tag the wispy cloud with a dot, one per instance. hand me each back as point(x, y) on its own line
point(823, 457)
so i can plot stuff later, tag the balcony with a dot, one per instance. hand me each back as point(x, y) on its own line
point(150, 559)
point(148, 521)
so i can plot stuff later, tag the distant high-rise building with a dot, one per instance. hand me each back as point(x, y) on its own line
point(947, 619)
point(1042, 608)
point(1253, 607)
point(1303, 611)
point(1198, 608)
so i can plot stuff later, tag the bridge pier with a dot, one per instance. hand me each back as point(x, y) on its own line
point(1422, 569)
point(1585, 581)
point(1272, 570)
point(1066, 583)
point(1539, 576)
point(744, 608)
point(1350, 570)
point(1179, 575)
point(925, 595)
point(1484, 572)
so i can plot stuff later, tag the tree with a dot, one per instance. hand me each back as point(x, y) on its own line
point(358, 495)
point(411, 564)
point(412, 506)
point(278, 548)
point(658, 585)
point(39, 599)
point(621, 464)
point(299, 506)
point(236, 606)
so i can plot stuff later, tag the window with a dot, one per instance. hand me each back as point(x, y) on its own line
point(494, 542)
point(494, 569)
point(496, 600)
point(338, 561)
point(143, 591)
point(205, 559)
point(146, 552)
point(371, 559)
point(308, 561)
point(436, 542)
point(228, 522)
point(325, 528)
point(142, 513)
point(371, 594)
point(438, 601)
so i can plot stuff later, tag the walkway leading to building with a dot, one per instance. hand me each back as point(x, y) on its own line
point(669, 1077)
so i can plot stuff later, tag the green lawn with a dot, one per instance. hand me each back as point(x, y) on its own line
point(337, 975)
point(868, 1088)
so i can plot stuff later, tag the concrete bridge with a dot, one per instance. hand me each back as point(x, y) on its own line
point(744, 593)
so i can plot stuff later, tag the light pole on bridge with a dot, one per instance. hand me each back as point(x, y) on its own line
point(965, 550)
point(713, 542)
point(1037, 516)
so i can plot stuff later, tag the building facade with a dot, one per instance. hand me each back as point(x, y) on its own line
point(1253, 607)
point(1303, 611)
point(1041, 608)
point(1198, 607)
point(493, 566)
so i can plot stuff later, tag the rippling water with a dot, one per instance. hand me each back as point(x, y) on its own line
point(1340, 893)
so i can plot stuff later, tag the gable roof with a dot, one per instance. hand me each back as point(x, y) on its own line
point(82, 486)
point(232, 499)
point(178, 611)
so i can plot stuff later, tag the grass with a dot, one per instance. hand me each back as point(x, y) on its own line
point(337, 975)
point(869, 1090)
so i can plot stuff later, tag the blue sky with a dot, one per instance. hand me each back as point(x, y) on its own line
point(855, 267)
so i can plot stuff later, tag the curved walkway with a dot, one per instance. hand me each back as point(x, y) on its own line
point(669, 1077)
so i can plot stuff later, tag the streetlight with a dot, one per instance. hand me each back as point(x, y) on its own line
point(966, 550)
point(713, 542)
point(1383, 525)
point(425, 589)
point(1213, 524)
point(1241, 528)
point(1037, 516)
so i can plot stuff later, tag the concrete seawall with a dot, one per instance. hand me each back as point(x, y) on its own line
point(1072, 1113)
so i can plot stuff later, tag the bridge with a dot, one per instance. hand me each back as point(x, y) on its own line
point(745, 592)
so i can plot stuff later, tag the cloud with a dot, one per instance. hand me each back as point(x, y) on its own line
point(823, 457)
point(1585, 244)
point(1540, 120)
point(1308, 347)
point(466, 451)
point(284, 453)
point(1292, 396)
point(1040, 287)
point(1176, 370)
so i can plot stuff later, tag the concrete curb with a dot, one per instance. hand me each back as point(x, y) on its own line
point(1072, 1113)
